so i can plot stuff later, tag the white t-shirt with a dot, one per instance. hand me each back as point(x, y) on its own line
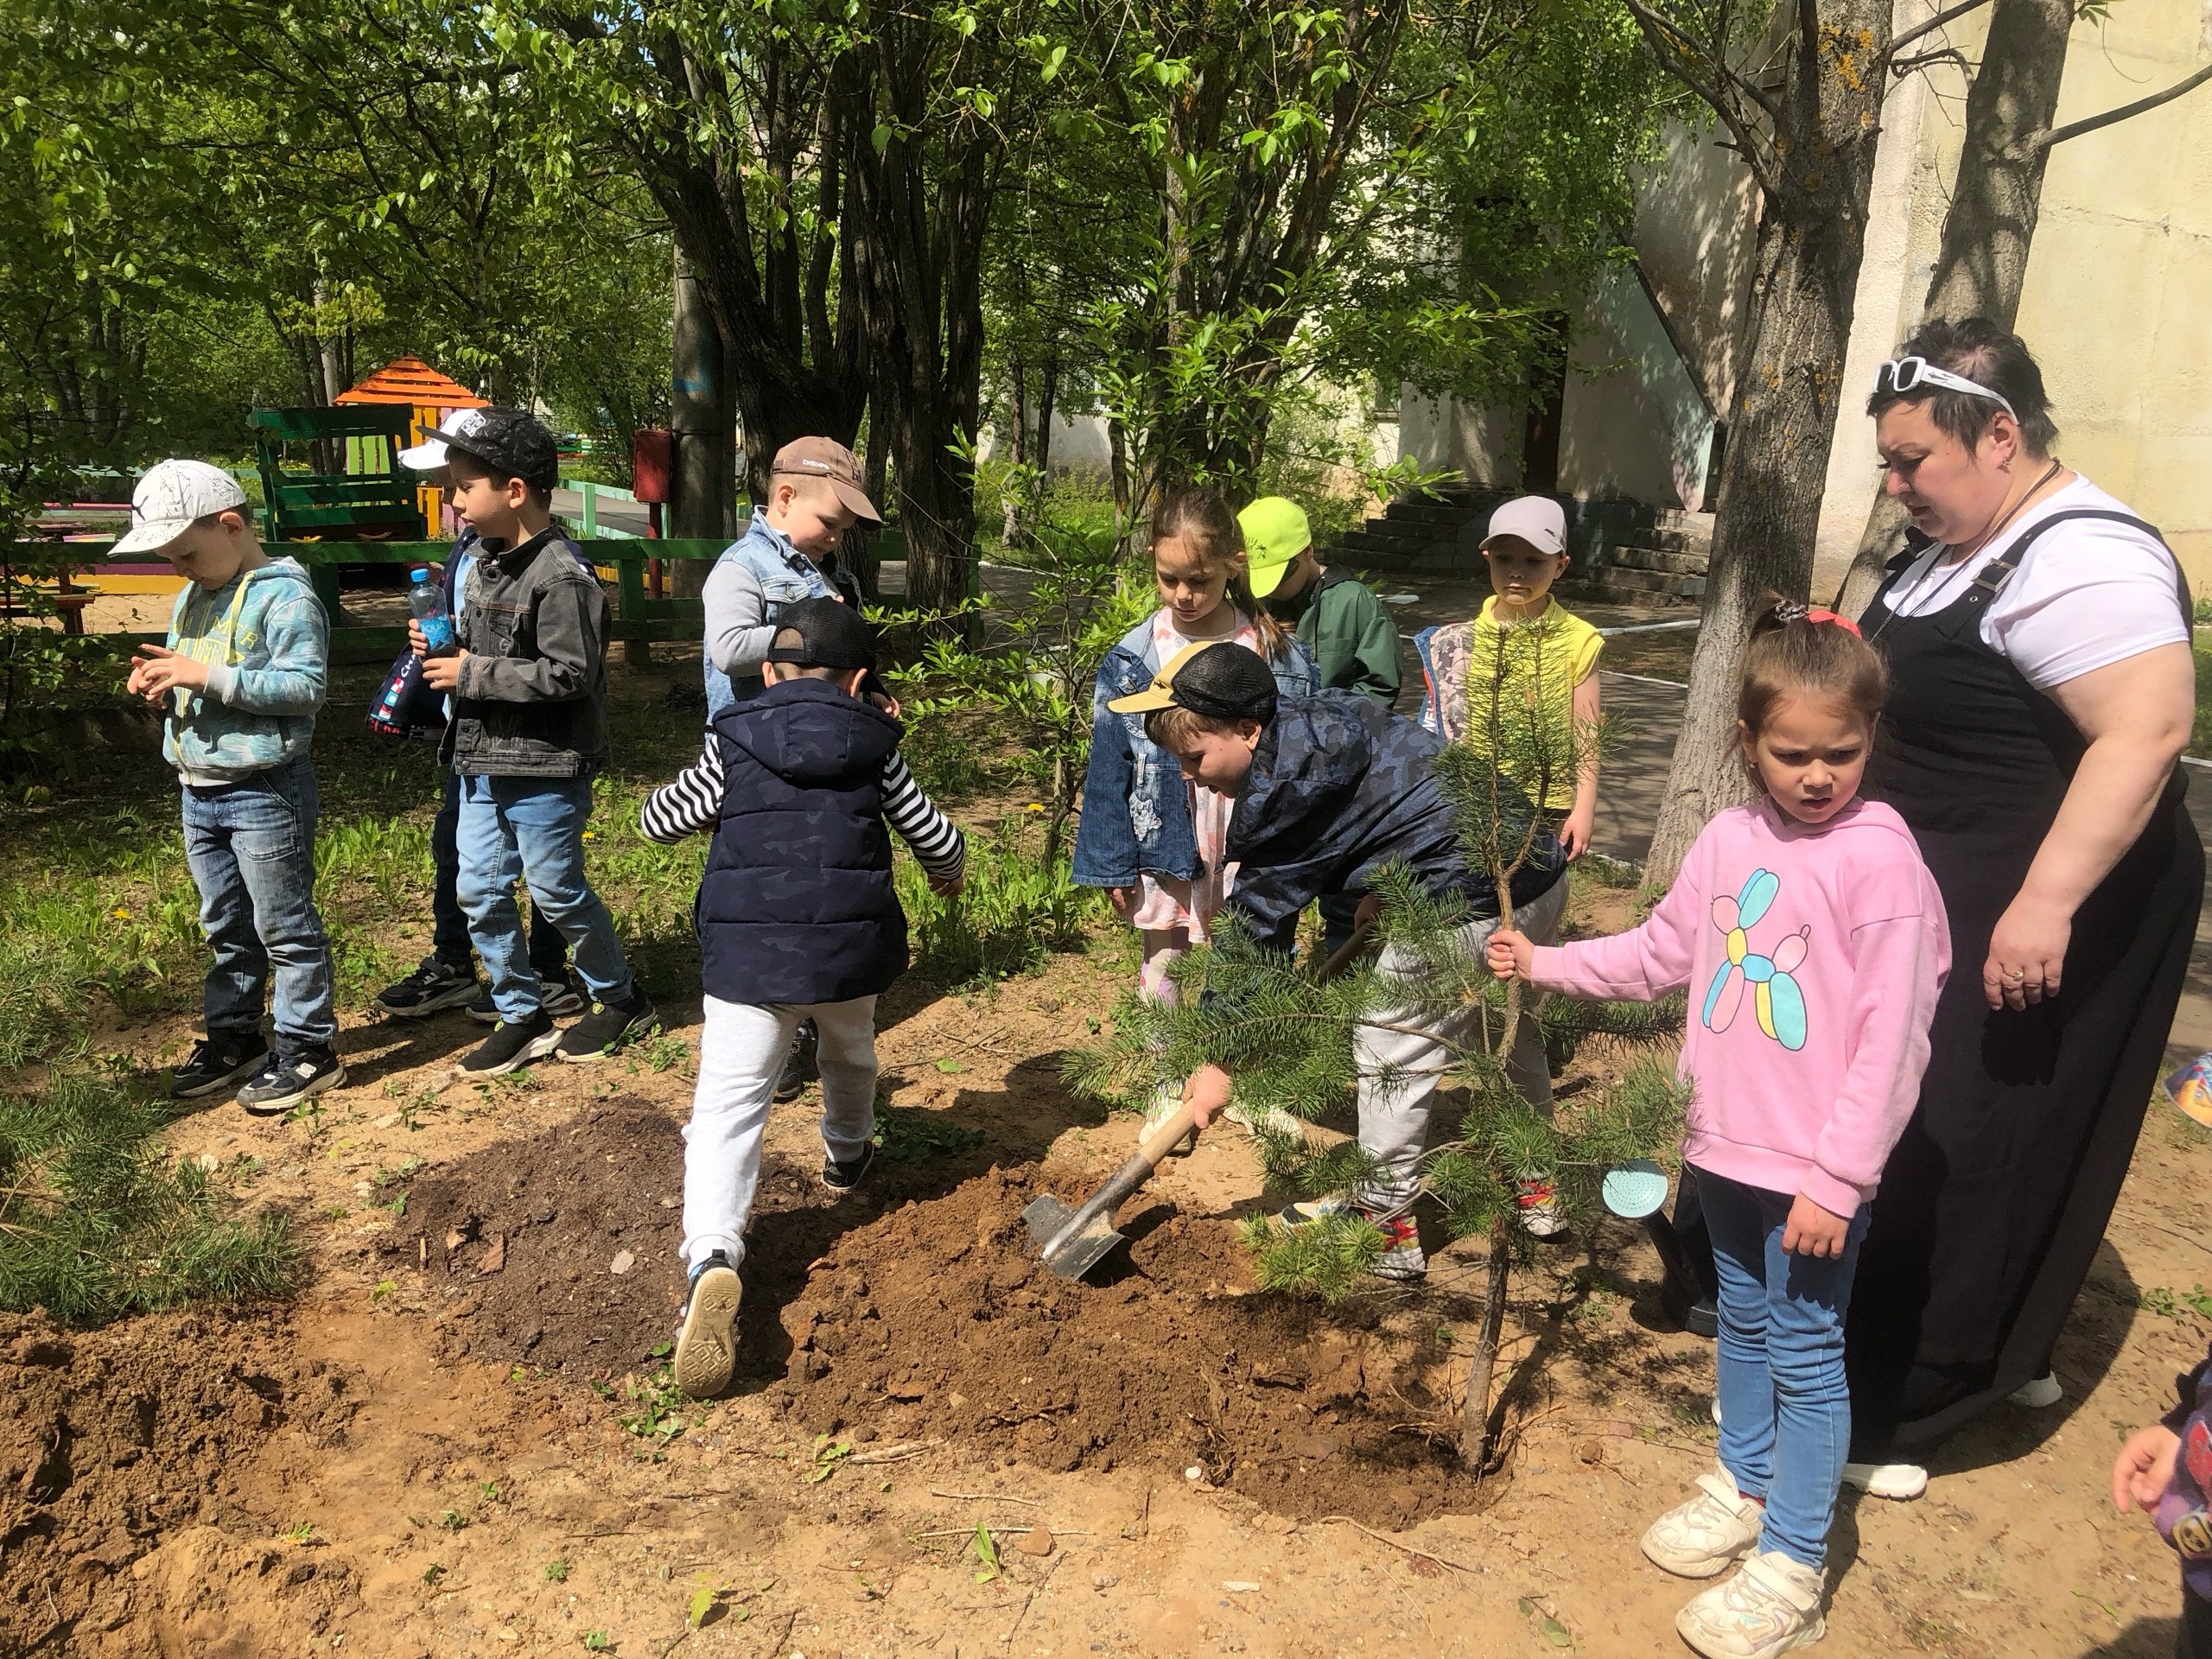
point(2089, 594)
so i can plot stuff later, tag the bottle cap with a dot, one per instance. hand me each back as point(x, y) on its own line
point(422, 573)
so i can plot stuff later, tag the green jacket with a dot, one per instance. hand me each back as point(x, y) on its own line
point(1354, 642)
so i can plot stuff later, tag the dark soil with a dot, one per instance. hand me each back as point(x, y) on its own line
point(112, 1439)
point(937, 1319)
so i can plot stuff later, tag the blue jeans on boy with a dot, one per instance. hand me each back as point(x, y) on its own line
point(549, 951)
point(513, 827)
point(1785, 1409)
point(250, 845)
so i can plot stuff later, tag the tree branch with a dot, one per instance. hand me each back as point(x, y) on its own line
point(1950, 14)
point(2110, 117)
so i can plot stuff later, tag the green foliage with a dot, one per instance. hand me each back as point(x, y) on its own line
point(1328, 1258)
point(907, 1134)
point(96, 1222)
point(1012, 912)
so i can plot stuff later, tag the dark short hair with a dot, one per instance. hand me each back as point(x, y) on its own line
point(1989, 355)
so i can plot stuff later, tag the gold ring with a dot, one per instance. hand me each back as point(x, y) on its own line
point(2016, 976)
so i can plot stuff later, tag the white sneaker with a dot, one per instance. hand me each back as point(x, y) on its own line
point(1901, 1481)
point(706, 1343)
point(2039, 1394)
point(1702, 1538)
point(1772, 1606)
point(1540, 1212)
point(1266, 1120)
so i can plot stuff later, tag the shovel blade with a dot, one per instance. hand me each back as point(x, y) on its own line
point(1047, 1216)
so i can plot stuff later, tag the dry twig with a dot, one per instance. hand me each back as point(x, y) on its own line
point(1385, 1538)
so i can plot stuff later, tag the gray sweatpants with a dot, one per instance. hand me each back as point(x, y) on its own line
point(1401, 1063)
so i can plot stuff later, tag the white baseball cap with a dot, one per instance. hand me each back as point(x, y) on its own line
point(1536, 519)
point(430, 454)
point(170, 498)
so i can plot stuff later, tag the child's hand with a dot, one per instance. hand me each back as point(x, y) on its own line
point(2145, 1468)
point(951, 889)
point(1509, 954)
point(1813, 1230)
point(1124, 899)
point(155, 669)
point(1208, 1093)
point(416, 641)
point(443, 673)
point(1574, 834)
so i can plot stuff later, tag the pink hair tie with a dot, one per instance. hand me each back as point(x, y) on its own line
point(1843, 622)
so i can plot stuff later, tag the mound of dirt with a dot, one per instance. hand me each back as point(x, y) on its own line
point(935, 1320)
point(111, 1441)
point(560, 1249)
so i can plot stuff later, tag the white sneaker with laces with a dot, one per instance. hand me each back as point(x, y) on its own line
point(1772, 1606)
point(1266, 1120)
point(2040, 1394)
point(1900, 1481)
point(1700, 1538)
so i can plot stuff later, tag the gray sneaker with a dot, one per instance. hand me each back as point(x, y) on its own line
point(286, 1080)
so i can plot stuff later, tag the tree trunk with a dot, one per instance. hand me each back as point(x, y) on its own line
point(1474, 1415)
point(1990, 226)
point(1048, 395)
point(700, 485)
point(1811, 236)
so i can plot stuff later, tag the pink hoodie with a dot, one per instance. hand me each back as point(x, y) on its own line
point(1813, 954)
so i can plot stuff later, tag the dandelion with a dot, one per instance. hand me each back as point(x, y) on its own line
point(120, 914)
point(1034, 806)
point(591, 834)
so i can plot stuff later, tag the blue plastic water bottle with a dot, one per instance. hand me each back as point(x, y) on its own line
point(428, 600)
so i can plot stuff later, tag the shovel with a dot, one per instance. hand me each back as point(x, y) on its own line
point(1072, 1242)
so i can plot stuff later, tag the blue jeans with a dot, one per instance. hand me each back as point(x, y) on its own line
point(1785, 1409)
point(513, 828)
point(549, 951)
point(251, 849)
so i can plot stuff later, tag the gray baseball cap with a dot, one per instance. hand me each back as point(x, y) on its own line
point(170, 498)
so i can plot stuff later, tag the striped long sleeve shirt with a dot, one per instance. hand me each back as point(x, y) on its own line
point(692, 805)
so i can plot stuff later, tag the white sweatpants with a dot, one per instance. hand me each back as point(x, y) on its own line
point(1401, 1063)
point(741, 1053)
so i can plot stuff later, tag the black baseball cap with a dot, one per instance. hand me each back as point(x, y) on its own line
point(831, 634)
point(1216, 678)
point(512, 443)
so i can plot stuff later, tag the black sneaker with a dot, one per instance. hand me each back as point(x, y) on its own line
point(606, 1028)
point(841, 1178)
point(706, 1343)
point(217, 1061)
point(286, 1080)
point(802, 1064)
point(509, 1048)
point(557, 996)
point(431, 988)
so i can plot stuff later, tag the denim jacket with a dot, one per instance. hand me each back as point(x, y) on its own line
point(1137, 807)
point(266, 643)
point(756, 577)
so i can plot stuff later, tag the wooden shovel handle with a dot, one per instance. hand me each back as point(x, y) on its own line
point(1165, 1139)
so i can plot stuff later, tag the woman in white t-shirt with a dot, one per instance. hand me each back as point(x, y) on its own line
point(2042, 686)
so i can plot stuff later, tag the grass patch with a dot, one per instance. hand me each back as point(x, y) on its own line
point(1013, 913)
point(907, 1134)
point(97, 1221)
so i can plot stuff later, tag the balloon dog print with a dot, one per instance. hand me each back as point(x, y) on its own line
point(1779, 1003)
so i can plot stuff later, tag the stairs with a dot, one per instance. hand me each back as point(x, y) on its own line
point(1622, 552)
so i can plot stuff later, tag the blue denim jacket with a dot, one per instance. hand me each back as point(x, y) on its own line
point(783, 575)
point(266, 643)
point(1136, 807)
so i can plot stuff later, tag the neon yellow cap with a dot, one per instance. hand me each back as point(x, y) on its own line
point(1276, 533)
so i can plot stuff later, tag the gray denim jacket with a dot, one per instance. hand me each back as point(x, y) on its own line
point(532, 697)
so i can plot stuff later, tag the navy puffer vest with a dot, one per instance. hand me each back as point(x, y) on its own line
point(797, 904)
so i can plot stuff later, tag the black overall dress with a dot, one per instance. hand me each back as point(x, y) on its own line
point(1991, 1207)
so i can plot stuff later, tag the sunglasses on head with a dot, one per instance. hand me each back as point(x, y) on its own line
point(1904, 375)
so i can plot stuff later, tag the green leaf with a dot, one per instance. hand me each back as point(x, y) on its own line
point(882, 136)
point(702, 1604)
point(950, 1065)
point(986, 1552)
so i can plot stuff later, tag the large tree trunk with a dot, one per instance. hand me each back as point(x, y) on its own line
point(699, 485)
point(1811, 235)
point(1991, 226)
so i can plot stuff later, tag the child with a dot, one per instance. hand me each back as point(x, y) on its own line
point(446, 977)
point(1152, 840)
point(2166, 1470)
point(1337, 617)
point(1329, 789)
point(1813, 941)
point(798, 917)
point(528, 730)
point(1526, 551)
point(815, 492)
point(243, 674)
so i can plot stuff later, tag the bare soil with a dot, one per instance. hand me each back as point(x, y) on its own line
point(419, 1458)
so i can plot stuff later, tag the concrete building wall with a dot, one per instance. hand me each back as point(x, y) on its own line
point(2117, 301)
point(1696, 216)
